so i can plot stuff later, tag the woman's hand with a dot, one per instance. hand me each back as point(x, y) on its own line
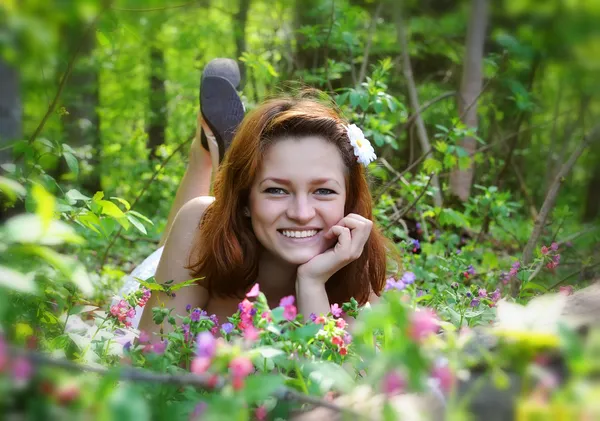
point(352, 233)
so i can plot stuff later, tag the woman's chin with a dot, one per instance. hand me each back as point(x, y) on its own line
point(298, 258)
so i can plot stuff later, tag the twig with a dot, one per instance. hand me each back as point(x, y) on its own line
point(569, 276)
point(144, 376)
point(141, 193)
point(399, 175)
point(425, 106)
point(363, 67)
point(412, 205)
point(326, 52)
point(65, 76)
point(550, 200)
point(414, 97)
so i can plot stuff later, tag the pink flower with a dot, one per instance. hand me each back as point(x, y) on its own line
point(251, 334)
point(320, 320)
point(287, 301)
point(240, 367)
point(423, 323)
point(159, 348)
point(290, 312)
point(336, 340)
point(3, 353)
point(336, 310)
point(343, 350)
point(253, 292)
point(341, 323)
point(444, 376)
point(393, 383)
point(482, 292)
point(200, 365)
point(261, 413)
point(566, 290)
point(198, 411)
point(554, 246)
point(245, 306)
point(545, 250)
point(267, 316)
point(22, 370)
point(144, 337)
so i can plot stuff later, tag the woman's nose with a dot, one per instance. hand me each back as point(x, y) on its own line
point(301, 209)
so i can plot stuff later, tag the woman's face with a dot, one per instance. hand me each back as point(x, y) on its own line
point(298, 194)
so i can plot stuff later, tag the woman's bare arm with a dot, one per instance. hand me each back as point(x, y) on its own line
point(173, 261)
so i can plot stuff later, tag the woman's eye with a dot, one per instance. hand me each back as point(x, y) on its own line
point(324, 192)
point(275, 190)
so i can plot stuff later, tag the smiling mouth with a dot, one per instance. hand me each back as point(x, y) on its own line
point(299, 233)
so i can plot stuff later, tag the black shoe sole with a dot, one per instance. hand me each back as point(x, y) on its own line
point(222, 109)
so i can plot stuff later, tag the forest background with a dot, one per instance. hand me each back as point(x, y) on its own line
point(484, 115)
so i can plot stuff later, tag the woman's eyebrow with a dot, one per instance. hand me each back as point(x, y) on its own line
point(286, 182)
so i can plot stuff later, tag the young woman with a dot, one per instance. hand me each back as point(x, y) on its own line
point(291, 211)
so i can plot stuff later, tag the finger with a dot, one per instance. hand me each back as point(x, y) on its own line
point(344, 243)
point(361, 230)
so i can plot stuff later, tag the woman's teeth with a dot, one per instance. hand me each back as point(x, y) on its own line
point(299, 234)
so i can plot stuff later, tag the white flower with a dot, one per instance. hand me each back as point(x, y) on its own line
point(363, 150)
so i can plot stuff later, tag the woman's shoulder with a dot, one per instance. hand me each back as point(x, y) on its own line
point(195, 208)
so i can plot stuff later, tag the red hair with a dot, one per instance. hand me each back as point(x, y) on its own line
point(226, 250)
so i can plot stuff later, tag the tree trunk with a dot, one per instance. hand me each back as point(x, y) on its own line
point(470, 89)
point(81, 124)
point(241, 18)
point(158, 100)
point(11, 109)
point(592, 202)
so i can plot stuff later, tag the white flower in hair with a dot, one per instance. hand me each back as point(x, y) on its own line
point(363, 150)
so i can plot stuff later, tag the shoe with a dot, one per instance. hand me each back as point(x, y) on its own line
point(221, 107)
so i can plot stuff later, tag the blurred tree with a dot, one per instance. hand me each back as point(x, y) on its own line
point(10, 108)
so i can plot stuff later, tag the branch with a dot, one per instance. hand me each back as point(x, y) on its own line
point(202, 381)
point(363, 67)
point(412, 205)
point(425, 106)
point(399, 175)
point(571, 275)
point(550, 200)
point(141, 193)
point(326, 53)
point(65, 76)
point(414, 97)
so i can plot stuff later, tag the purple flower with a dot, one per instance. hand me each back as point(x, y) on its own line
point(159, 348)
point(22, 370)
point(188, 308)
point(347, 338)
point(186, 331)
point(213, 318)
point(471, 270)
point(287, 301)
point(420, 293)
point(127, 346)
point(198, 411)
point(408, 278)
point(416, 245)
point(554, 246)
point(312, 317)
point(474, 302)
point(393, 383)
point(195, 315)
point(418, 225)
point(496, 295)
point(253, 311)
point(336, 310)
point(482, 292)
point(206, 345)
point(556, 258)
point(469, 295)
point(458, 251)
point(227, 328)
point(391, 283)
point(516, 265)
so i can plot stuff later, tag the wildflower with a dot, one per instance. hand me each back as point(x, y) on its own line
point(267, 316)
point(287, 301)
point(22, 370)
point(253, 292)
point(199, 409)
point(422, 324)
point(393, 383)
point(336, 340)
point(408, 278)
point(336, 310)
point(482, 292)
point(471, 270)
point(416, 245)
point(245, 306)
point(468, 294)
point(458, 251)
point(566, 290)
point(251, 334)
point(391, 283)
point(213, 318)
point(260, 413)
point(554, 246)
point(341, 323)
point(443, 376)
point(545, 250)
point(320, 320)
point(206, 345)
point(188, 308)
point(3, 353)
point(195, 316)
point(186, 331)
point(312, 317)
point(200, 365)
point(126, 346)
point(454, 285)
point(474, 302)
point(496, 295)
point(420, 293)
point(227, 328)
point(160, 347)
point(241, 367)
point(343, 350)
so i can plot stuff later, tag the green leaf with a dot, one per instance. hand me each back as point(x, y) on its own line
point(142, 217)
point(17, 281)
point(452, 217)
point(260, 386)
point(304, 333)
point(126, 404)
point(110, 209)
point(432, 165)
point(72, 163)
point(28, 228)
point(136, 223)
point(185, 284)
point(268, 352)
point(75, 195)
point(123, 202)
point(464, 162)
point(11, 188)
point(70, 268)
point(329, 375)
point(45, 204)
point(441, 146)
